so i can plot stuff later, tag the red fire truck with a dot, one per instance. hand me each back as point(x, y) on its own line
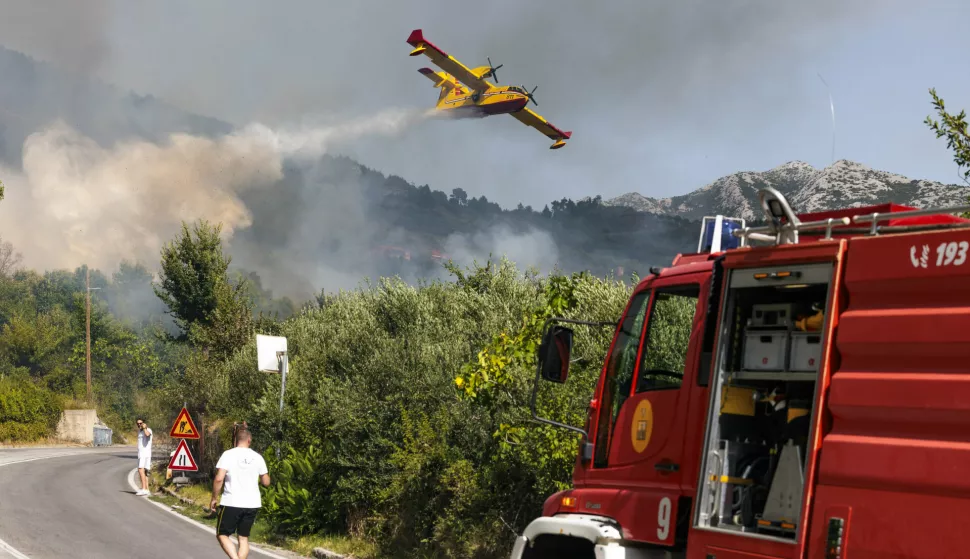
point(794, 390)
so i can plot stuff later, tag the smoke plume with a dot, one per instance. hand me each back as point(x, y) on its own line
point(302, 220)
point(533, 248)
point(75, 202)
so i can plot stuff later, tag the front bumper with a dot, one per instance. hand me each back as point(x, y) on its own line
point(603, 532)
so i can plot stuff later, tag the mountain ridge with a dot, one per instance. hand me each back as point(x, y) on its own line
point(808, 189)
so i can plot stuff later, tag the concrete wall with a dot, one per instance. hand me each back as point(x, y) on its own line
point(78, 425)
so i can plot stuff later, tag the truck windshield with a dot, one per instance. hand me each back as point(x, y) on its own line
point(619, 373)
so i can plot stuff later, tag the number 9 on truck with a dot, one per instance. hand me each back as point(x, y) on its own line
point(663, 519)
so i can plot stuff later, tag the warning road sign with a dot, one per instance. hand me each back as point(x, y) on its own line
point(183, 428)
point(182, 459)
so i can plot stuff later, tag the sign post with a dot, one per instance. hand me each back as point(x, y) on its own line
point(284, 368)
point(271, 357)
point(183, 428)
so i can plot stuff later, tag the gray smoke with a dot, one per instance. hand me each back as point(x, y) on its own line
point(316, 56)
point(533, 248)
point(75, 202)
point(635, 80)
point(69, 33)
point(117, 173)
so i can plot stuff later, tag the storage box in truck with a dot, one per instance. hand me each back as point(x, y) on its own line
point(799, 389)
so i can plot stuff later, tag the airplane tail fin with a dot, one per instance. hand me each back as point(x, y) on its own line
point(440, 79)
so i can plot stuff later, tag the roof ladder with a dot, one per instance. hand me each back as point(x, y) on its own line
point(874, 218)
point(783, 225)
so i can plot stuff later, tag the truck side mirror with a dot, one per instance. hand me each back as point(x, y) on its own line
point(554, 353)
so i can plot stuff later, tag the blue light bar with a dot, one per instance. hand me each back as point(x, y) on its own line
point(710, 230)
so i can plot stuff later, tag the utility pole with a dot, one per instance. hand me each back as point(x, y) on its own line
point(87, 309)
point(87, 327)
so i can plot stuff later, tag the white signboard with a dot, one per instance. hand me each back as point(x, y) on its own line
point(266, 348)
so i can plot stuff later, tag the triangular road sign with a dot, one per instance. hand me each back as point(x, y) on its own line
point(184, 428)
point(182, 459)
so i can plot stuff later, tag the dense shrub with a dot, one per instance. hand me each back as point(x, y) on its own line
point(292, 504)
point(27, 411)
point(402, 452)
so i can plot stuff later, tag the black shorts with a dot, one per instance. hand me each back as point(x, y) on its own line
point(235, 520)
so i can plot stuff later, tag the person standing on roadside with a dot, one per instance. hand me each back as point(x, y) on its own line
point(239, 472)
point(144, 455)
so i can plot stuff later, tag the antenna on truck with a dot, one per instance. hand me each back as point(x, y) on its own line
point(832, 108)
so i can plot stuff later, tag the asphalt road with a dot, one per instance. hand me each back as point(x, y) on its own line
point(73, 503)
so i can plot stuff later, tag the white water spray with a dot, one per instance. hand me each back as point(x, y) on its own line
point(313, 141)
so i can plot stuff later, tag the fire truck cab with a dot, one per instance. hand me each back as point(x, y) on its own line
point(796, 390)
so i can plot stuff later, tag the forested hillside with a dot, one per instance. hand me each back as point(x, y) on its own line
point(408, 230)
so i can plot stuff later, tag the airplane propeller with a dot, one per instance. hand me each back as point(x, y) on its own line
point(529, 94)
point(492, 69)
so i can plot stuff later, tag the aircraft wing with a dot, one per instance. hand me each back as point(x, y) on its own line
point(529, 118)
point(446, 62)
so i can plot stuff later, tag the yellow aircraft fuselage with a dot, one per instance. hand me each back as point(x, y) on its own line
point(473, 104)
point(470, 103)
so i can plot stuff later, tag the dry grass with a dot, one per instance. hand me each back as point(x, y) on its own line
point(343, 545)
point(198, 493)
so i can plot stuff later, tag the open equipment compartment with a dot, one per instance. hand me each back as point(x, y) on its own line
point(763, 395)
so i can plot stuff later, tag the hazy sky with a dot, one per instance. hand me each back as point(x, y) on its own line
point(662, 97)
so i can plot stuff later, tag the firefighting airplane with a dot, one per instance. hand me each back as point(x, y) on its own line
point(477, 98)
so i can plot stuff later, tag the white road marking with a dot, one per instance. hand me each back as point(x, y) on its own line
point(37, 458)
point(4, 546)
point(210, 529)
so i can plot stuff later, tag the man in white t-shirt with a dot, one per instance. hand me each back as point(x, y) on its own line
point(238, 475)
point(144, 455)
